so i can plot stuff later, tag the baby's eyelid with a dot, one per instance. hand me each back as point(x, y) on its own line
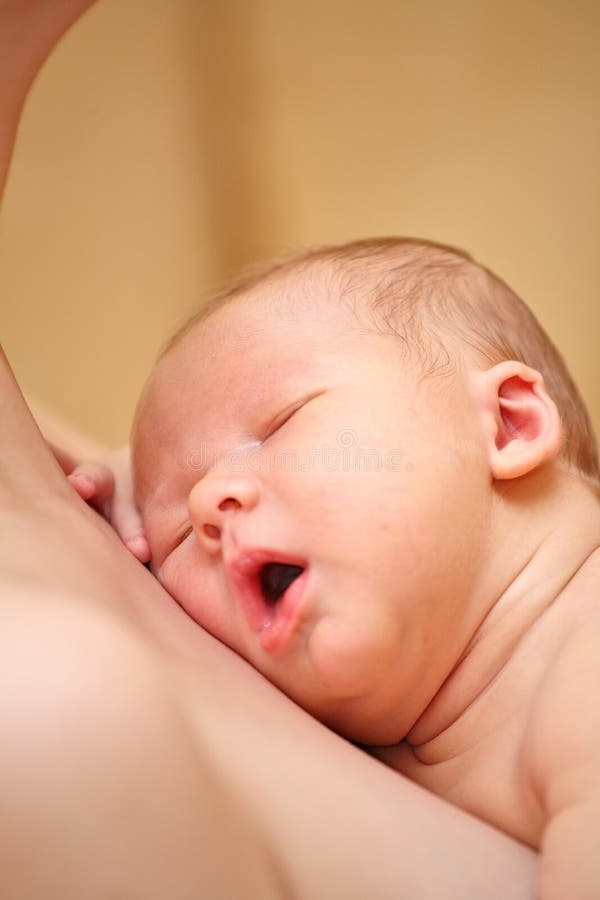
point(281, 419)
point(290, 411)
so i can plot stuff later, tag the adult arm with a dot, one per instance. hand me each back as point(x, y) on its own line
point(29, 29)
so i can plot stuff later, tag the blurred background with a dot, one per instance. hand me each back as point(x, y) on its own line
point(169, 143)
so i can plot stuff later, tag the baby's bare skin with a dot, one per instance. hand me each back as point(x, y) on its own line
point(451, 613)
point(505, 733)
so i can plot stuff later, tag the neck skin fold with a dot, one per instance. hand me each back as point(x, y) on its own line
point(542, 545)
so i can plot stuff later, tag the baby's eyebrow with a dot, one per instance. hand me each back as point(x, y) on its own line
point(264, 385)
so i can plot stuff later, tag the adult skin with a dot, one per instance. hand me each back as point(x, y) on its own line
point(140, 757)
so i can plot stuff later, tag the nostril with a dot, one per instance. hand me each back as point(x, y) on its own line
point(212, 531)
point(229, 503)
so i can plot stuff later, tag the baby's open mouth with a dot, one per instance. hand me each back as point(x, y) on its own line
point(269, 589)
point(275, 578)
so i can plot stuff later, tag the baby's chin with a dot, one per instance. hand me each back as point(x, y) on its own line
point(363, 720)
point(350, 685)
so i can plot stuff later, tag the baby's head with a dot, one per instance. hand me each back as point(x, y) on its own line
point(317, 458)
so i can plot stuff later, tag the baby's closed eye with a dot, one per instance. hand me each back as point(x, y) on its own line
point(284, 417)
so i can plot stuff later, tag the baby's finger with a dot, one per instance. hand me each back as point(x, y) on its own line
point(139, 547)
point(127, 522)
point(93, 482)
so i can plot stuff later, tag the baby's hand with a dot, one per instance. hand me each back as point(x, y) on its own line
point(107, 486)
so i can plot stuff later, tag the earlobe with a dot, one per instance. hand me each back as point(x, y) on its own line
point(521, 421)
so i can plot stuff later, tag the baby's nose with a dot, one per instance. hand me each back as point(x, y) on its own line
point(216, 497)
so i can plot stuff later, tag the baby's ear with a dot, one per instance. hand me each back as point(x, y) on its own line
point(520, 419)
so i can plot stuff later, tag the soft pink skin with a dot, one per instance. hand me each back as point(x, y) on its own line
point(396, 555)
point(424, 572)
point(439, 597)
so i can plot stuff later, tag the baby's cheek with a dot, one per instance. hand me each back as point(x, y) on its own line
point(193, 589)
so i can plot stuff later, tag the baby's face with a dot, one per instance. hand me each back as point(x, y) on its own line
point(307, 502)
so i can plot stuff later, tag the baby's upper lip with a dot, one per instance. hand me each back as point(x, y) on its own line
point(244, 577)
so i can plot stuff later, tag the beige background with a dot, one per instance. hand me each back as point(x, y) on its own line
point(169, 142)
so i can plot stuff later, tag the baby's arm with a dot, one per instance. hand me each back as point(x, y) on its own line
point(565, 766)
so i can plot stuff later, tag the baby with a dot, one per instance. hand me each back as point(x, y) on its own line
point(368, 471)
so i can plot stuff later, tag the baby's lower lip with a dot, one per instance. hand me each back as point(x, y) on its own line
point(279, 630)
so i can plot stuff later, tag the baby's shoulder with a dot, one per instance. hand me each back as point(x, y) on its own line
point(563, 734)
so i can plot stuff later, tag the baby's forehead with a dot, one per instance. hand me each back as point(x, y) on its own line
point(275, 313)
point(246, 348)
point(316, 289)
point(247, 357)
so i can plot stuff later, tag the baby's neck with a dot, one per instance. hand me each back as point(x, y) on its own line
point(543, 546)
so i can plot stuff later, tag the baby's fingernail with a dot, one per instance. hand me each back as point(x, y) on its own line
point(139, 546)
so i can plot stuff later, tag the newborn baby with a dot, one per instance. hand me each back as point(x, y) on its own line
point(368, 471)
